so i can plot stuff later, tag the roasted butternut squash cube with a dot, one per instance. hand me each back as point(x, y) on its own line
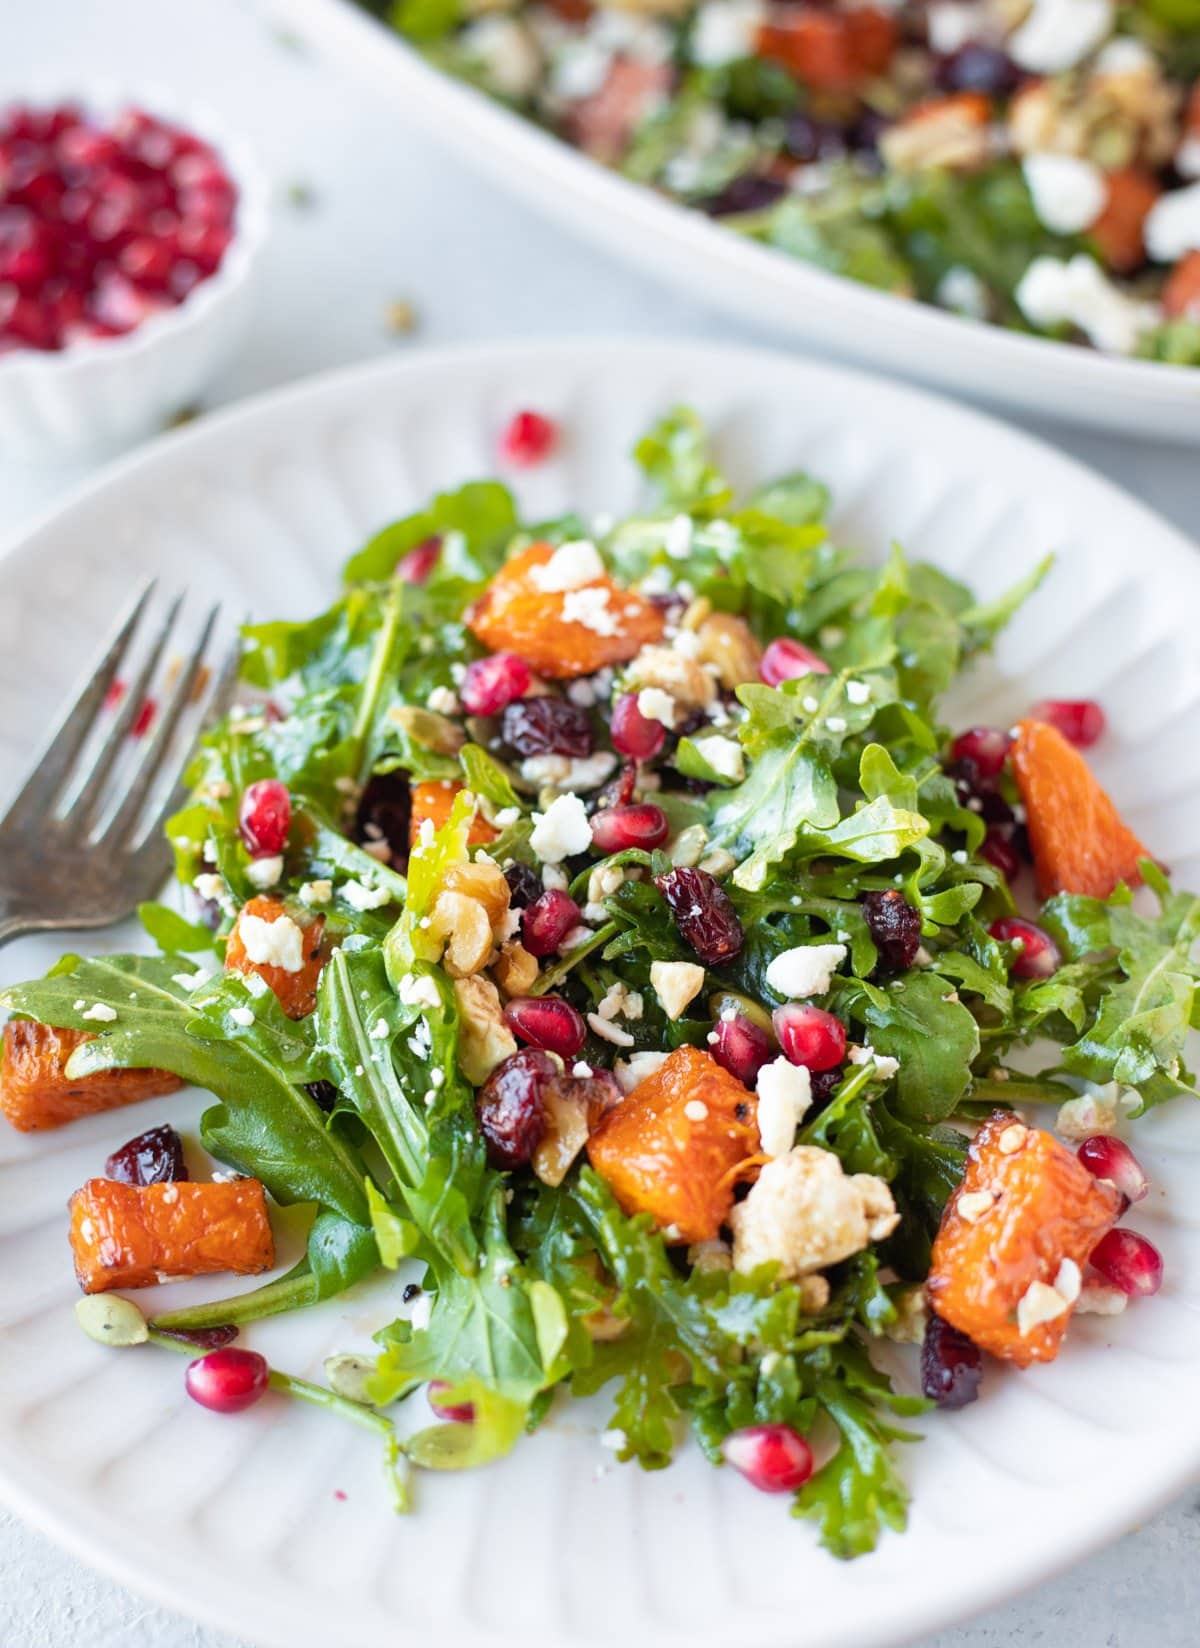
point(284, 948)
point(36, 1093)
point(1014, 1239)
point(132, 1236)
point(432, 799)
point(673, 1147)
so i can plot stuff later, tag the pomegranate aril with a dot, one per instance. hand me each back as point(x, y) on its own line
point(772, 1458)
point(1129, 1262)
point(153, 1157)
point(511, 1109)
point(524, 885)
point(528, 439)
point(454, 1413)
point(998, 850)
point(1036, 954)
point(894, 926)
point(491, 684)
point(786, 660)
point(547, 1022)
point(632, 733)
point(1080, 720)
point(415, 566)
point(985, 747)
point(1112, 1159)
point(810, 1036)
point(741, 1047)
point(265, 817)
point(619, 791)
point(546, 726)
point(640, 824)
point(951, 1365)
point(547, 921)
point(703, 913)
point(146, 261)
point(227, 1381)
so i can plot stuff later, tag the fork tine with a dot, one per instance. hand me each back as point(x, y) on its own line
point(88, 792)
point(147, 769)
point(52, 765)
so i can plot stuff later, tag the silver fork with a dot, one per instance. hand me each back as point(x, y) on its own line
point(75, 852)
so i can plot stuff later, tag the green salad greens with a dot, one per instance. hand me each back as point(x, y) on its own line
point(824, 812)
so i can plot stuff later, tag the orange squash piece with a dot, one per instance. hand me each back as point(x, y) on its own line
point(1181, 294)
point(296, 991)
point(1079, 842)
point(1025, 1205)
point(132, 1236)
point(433, 799)
point(1117, 232)
point(679, 1168)
point(36, 1093)
point(513, 614)
point(826, 50)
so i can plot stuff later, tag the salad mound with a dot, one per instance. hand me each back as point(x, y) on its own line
point(599, 928)
point(1031, 163)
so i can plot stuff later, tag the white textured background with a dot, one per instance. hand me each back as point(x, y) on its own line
point(392, 218)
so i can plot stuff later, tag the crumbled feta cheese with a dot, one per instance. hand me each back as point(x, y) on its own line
point(571, 566)
point(784, 1095)
point(1100, 1299)
point(723, 755)
point(578, 935)
point(959, 856)
point(506, 817)
point(607, 1031)
point(419, 990)
point(604, 881)
point(265, 872)
point(561, 772)
point(1069, 194)
point(805, 1213)
point(1038, 1304)
point(951, 24)
point(676, 983)
point(242, 1015)
point(210, 886)
point(554, 879)
point(563, 829)
point(809, 704)
point(974, 1204)
point(858, 692)
point(190, 981)
point(1078, 293)
point(657, 705)
point(835, 723)
point(100, 1013)
point(1172, 226)
point(581, 1070)
point(1124, 55)
point(379, 1030)
point(545, 769)
point(678, 541)
point(613, 1439)
point(722, 32)
point(885, 1067)
point(421, 1312)
point(443, 701)
point(316, 892)
point(620, 1002)
point(636, 1068)
point(278, 943)
point(1069, 1281)
point(591, 608)
point(361, 897)
point(696, 1110)
point(806, 970)
point(1058, 34)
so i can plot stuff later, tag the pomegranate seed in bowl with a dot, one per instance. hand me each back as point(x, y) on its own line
point(1081, 721)
point(772, 1458)
point(227, 1381)
point(547, 1022)
point(1036, 954)
point(632, 733)
point(528, 439)
point(1112, 1159)
point(491, 684)
point(985, 747)
point(786, 660)
point(640, 824)
point(265, 817)
point(1129, 1262)
point(810, 1036)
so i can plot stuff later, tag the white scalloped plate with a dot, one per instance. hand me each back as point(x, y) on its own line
point(240, 1520)
point(690, 251)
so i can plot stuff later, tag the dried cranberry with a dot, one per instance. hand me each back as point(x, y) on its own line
point(490, 684)
point(547, 726)
point(511, 1108)
point(524, 885)
point(528, 439)
point(385, 812)
point(894, 926)
point(703, 913)
point(226, 1381)
point(641, 824)
point(978, 68)
point(265, 817)
point(153, 1157)
point(633, 733)
point(951, 1366)
point(823, 1084)
point(752, 192)
point(547, 921)
point(547, 1022)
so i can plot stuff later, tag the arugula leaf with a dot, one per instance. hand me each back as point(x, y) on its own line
point(476, 524)
point(919, 1020)
point(673, 456)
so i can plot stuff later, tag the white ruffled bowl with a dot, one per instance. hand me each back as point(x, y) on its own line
point(102, 393)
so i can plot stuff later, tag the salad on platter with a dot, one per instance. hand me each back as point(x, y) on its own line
point(593, 929)
point(1030, 163)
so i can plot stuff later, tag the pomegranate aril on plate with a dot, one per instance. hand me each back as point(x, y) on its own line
point(772, 1458)
point(640, 824)
point(491, 684)
point(511, 1109)
point(547, 1022)
point(1080, 720)
point(703, 913)
point(1112, 1159)
point(546, 726)
point(1129, 1262)
point(547, 921)
point(951, 1366)
point(740, 1046)
point(265, 817)
point(454, 1413)
point(810, 1036)
point(632, 733)
point(985, 747)
point(895, 928)
point(1036, 954)
point(786, 660)
point(416, 566)
point(227, 1381)
point(528, 439)
point(153, 1157)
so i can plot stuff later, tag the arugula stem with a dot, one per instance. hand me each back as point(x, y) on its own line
point(376, 678)
point(295, 1291)
point(553, 976)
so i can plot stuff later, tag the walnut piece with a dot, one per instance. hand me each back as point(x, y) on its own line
point(514, 969)
point(952, 134)
point(462, 924)
point(690, 686)
point(484, 1038)
point(727, 642)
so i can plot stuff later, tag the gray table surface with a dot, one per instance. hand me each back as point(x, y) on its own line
point(390, 217)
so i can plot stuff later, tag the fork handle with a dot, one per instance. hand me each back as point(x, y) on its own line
point(14, 925)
